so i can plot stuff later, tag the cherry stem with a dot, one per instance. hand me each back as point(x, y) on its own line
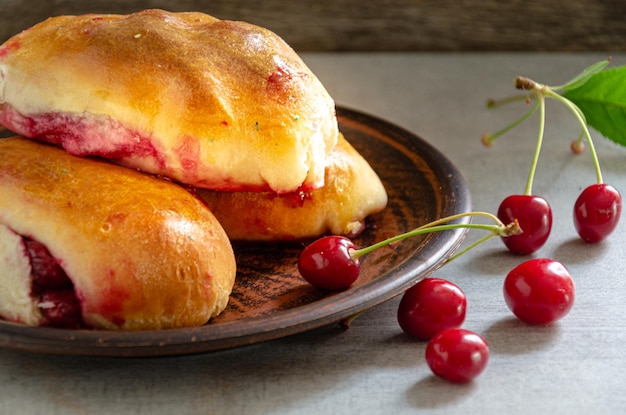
point(345, 323)
point(442, 224)
point(583, 123)
point(489, 138)
point(542, 123)
point(499, 229)
point(541, 92)
point(475, 244)
point(493, 103)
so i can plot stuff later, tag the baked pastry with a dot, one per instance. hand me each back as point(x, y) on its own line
point(87, 243)
point(211, 103)
point(352, 192)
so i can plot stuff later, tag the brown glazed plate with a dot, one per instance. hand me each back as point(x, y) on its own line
point(270, 300)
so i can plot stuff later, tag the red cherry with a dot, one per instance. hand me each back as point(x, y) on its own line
point(597, 211)
point(327, 263)
point(534, 216)
point(457, 355)
point(61, 309)
point(539, 291)
point(431, 306)
point(46, 273)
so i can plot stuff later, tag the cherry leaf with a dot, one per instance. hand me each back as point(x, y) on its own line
point(602, 98)
point(584, 76)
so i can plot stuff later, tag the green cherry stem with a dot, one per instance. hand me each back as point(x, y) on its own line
point(488, 139)
point(583, 123)
point(540, 93)
point(496, 229)
point(493, 103)
point(542, 123)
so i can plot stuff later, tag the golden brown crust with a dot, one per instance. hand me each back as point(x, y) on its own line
point(212, 103)
point(352, 192)
point(142, 252)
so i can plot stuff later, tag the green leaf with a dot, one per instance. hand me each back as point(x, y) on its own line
point(603, 101)
point(583, 77)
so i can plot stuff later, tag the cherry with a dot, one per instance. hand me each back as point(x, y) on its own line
point(457, 355)
point(539, 291)
point(328, 263)
point(597, 211)
point(61, 308)
point(431, 306)
point(534, 216)
point(58, 302)
point(598, 208)
point(332, 262)
point(45, 271)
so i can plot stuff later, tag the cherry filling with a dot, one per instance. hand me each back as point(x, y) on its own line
point(58, 302)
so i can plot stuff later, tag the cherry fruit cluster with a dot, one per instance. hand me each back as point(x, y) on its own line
point(434, 309)
point(597, 209)
point(537, 291)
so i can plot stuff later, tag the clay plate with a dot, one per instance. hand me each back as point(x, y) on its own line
point(270, 300)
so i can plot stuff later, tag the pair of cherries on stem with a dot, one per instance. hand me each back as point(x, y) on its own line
point(596, 214)
point(597, 209)
point(333, 262)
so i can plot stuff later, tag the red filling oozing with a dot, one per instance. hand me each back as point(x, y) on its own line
point(81, 134)
point(58, 302)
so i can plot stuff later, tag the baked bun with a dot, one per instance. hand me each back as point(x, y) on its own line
point(139, 252)
point(352, 192)
point(211, 103)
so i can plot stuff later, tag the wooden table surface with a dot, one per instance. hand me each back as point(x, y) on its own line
point(576, 365)
point(383, 25)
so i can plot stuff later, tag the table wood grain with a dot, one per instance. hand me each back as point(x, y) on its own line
point(384, 25)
